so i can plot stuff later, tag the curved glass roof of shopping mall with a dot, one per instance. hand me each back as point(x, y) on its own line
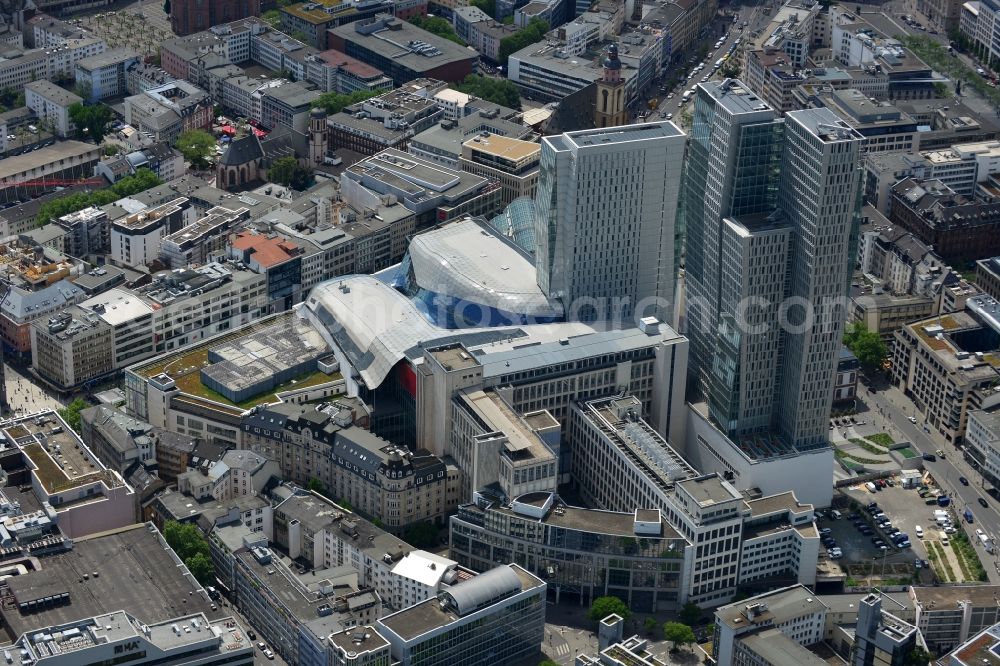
point(466, 275)
point(375, 326)
point(517, 223)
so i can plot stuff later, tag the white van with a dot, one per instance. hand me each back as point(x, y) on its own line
point(920, 531)
point(836, 515)
point(871, 487)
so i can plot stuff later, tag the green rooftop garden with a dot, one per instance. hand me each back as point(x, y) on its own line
point(185, 369)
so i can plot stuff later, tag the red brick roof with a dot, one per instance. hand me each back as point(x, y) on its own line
point(266, 250)
point(353, 66)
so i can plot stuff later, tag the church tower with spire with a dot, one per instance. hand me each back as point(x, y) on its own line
point(610, 108)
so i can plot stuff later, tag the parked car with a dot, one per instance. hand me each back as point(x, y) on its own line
point(983, 503)
point(964, 481)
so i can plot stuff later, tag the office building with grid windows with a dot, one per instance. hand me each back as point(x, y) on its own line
point(607, 243)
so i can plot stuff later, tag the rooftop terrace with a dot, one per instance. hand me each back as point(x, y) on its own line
point(61, 460)
point(185, 365)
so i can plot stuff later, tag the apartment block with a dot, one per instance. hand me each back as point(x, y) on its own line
point(423, 55)
point(512, 162)
point(446, 194)
point(949, 616)
point(197, 243)
point(947, 365)
point(988, 276)
point(63, 472)
point(771, 628)
point(118, 327)
point(104, 75)
point(959, 228)
point(136, 239)
point(375, 477)
point(50, 101)
point(22, 66)
point(387, 121)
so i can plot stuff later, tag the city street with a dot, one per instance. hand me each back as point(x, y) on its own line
point(754, 15)
point(896, 409)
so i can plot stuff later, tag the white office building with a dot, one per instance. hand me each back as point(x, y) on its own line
point(50, 101)
point(607, 243)
point(771, 628)
point(118, 637)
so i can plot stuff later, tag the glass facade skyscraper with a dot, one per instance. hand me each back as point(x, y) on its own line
point(769, 209)
point(606, 239)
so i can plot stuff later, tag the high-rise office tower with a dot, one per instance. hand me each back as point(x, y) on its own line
point(605, 234)
point(820, 194)
point(732, 171)
point(770, 207)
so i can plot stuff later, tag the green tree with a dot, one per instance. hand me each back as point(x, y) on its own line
point(547, 662)
point(281, 170)
point(530, 34)
point(71, 413)
point(730, 69)
point(499, 91)
point(185, 539)
point(508, 20)
point(690, 613)
point(866, 345)
point(315, 485)
point(437, 26)
point(201, 568)
point(651, 626)
point(83, 89)
point(918, 657)
point(288, 171)
point(488, 6)
point(196, 146)
point(142, 180)
point(421, 535)
point(112, 149)
point(91, 120)
point(191, 546)
point(678, 633)
point(942, 90)
point(272, 17)
point(332, 102)
point(605, 606)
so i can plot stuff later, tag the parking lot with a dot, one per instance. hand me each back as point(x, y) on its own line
point(905, 509)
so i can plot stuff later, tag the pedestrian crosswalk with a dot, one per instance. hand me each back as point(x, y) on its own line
point(561, 650)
